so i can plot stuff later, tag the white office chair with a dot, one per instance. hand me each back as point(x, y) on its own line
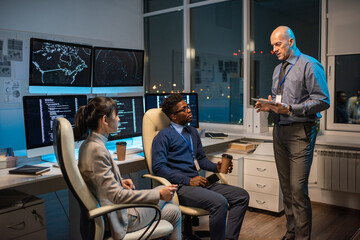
point(155, 120)
point(94, 227)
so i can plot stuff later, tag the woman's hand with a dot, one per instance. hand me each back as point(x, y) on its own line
point(127, 183)
point(167, 192)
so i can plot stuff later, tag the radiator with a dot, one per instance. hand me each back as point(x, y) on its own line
point(338, 170)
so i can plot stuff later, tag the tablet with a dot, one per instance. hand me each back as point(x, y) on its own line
point(263, 101)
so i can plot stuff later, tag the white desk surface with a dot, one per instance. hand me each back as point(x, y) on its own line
point(328, 139)
point(13, 180)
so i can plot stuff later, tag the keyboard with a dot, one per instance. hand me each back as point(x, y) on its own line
point(215, 135)
point(134, 150)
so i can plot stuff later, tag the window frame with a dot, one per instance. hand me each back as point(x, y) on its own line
point(330, 125)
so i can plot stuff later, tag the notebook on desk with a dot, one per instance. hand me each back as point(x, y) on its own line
point(28, 169)
point(216, 135)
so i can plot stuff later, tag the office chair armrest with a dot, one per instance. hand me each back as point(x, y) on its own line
point(222, 178)
point(161, 180)
point(97, 212)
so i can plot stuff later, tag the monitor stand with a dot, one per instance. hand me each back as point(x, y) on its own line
point(49, 158)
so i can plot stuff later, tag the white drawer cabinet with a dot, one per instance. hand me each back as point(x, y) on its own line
point(262, 183)
point(265, 201)
point(21, 216)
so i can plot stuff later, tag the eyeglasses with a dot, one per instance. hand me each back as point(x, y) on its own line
point(185, 109)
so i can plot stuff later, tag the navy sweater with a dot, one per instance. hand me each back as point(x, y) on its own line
point(172, 158)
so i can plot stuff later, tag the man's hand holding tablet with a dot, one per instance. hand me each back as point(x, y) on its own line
point(267, 105)
point(263, 100)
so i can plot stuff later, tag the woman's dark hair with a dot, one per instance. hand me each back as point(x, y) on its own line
point(87, 116)
point(170, 102)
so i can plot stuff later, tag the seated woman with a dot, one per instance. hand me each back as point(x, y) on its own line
point(102, 175)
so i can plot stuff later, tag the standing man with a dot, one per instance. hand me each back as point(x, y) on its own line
point(300, 93)
point(177, 155)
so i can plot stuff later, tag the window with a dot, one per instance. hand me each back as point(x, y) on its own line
point(301, 16)
point(164, 53)
point(155, 5)
point(343, 65)
point(216, 40)
point(345, 93)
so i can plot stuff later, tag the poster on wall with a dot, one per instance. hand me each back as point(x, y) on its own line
point(12, 91)
point(15, 50)
point(5, 67)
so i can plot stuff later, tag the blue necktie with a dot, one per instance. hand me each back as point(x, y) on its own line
point(186, 133)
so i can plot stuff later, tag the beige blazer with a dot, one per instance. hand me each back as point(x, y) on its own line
point(102, 175)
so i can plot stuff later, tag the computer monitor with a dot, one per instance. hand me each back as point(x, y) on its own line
point(154, 100)
point(39, 113)
point(54, 63)
point(115, 67)
point(130, 112)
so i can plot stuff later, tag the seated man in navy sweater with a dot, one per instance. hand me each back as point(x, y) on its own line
point(177, 155)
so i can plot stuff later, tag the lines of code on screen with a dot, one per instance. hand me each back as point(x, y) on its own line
point(40, 112)
point(130, 112)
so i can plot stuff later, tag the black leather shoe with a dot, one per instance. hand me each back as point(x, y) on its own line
point(285, 238)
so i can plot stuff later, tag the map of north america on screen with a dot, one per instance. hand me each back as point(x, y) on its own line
point(60, 65)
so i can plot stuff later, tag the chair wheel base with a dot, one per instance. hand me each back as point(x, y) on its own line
point(202, 234)
point(190, 237)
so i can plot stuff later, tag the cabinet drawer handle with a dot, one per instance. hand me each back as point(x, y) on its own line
point(261, 169)
point(17, 226)
point(260, 202)
point(261, 185)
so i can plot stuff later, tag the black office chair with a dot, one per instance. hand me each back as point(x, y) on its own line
point(92, 223)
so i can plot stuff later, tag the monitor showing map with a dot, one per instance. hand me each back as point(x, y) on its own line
point(154, 100)
point(54, 63)
point(115, 67)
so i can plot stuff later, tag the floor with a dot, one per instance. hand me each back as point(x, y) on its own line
point(260, 225)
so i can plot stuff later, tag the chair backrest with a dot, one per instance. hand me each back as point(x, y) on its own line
point(154, 120)
point(65, 155)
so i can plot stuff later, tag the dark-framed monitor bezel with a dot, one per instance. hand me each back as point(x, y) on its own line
point(118, 49)
point(182, 94)
point(26, 123)
point(64, 43)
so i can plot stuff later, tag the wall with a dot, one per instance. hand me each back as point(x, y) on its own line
point(111, 23)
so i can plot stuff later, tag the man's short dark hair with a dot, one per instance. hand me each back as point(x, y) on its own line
point(170, 102)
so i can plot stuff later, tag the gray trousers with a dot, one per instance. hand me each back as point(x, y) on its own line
point(140, 217)
point(293, 150)
point(220, 200)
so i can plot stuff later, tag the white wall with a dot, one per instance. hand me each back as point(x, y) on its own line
point(116, 23)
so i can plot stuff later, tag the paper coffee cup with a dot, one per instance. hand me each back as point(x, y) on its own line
point(226, 162)
point(121, 150)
